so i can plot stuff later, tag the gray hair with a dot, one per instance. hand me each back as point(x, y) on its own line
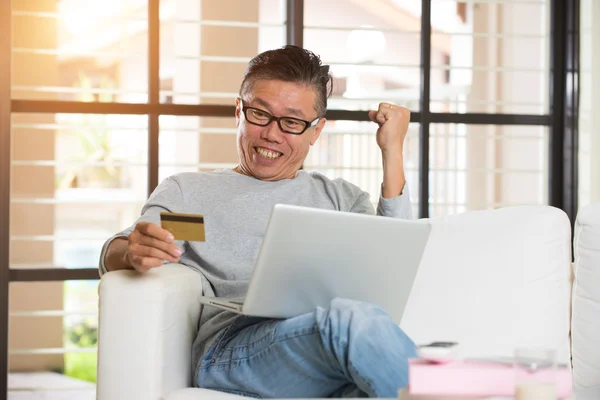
point(291, 64)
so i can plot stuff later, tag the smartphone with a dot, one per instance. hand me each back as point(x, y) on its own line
point(438, 352)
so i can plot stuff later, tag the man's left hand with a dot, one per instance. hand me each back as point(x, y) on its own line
point(393, 125)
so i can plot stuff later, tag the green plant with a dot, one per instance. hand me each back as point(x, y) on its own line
point(82, 365)
point(83, 335)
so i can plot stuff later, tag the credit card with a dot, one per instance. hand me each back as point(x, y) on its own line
point(188, 227)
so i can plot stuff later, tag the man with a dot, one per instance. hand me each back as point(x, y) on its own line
point(348, 349)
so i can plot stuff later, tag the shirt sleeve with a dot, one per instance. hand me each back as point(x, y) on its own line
point(396, 207)
point(166, 197)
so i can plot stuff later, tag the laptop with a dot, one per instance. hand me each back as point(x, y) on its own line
point(310, 256)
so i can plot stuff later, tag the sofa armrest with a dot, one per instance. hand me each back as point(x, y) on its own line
point(585, 329)
point(147, 323)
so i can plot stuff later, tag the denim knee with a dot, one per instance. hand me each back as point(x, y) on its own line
point(345, 317)
point(366, 344)
point(356, 309)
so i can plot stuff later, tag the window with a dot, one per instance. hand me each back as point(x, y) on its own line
point(475, 167)
point(486, 57)
point(498, 57)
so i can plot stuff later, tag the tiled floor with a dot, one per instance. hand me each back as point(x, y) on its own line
point(48, 386)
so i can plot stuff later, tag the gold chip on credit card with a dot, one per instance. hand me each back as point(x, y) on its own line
point(189, 227)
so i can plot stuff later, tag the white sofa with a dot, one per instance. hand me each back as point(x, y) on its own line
point(491, 280)
point(585, 324)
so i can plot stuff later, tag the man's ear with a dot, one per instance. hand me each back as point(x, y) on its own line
point(238, 111)
point(317, 131)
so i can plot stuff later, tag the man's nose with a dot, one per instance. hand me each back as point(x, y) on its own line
point(272, 133)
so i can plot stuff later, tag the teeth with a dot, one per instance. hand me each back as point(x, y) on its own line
point(268, 153)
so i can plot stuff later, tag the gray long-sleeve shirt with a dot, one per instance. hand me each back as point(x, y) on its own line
point(236, 210)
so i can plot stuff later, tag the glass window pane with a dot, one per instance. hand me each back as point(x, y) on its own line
point(206, 45)
point(348, 150)
point(62, 361)
point(191, 144)
point(374, 51)
point(80, 50)
point(76, 180)
point(496, 57)
point(474, 167)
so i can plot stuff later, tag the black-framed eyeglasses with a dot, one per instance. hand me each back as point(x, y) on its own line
point(294, 126)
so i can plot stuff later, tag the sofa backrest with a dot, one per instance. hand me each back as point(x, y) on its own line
point(586, 304)
point(495, 280)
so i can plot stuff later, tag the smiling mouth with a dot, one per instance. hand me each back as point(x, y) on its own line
point(268, 154)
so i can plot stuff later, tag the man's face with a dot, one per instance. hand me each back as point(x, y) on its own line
point(266, 152)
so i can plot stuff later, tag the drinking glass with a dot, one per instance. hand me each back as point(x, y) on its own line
point(535, 374)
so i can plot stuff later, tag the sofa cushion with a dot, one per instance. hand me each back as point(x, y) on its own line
point(495, 280)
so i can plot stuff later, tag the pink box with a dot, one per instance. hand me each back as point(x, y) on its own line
point(473, 378)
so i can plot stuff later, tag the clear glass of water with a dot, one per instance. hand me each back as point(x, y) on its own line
point(535, 374)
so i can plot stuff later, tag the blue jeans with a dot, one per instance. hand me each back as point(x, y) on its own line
point(350, 349)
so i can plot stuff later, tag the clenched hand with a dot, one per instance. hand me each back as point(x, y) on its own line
point(393, 125)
